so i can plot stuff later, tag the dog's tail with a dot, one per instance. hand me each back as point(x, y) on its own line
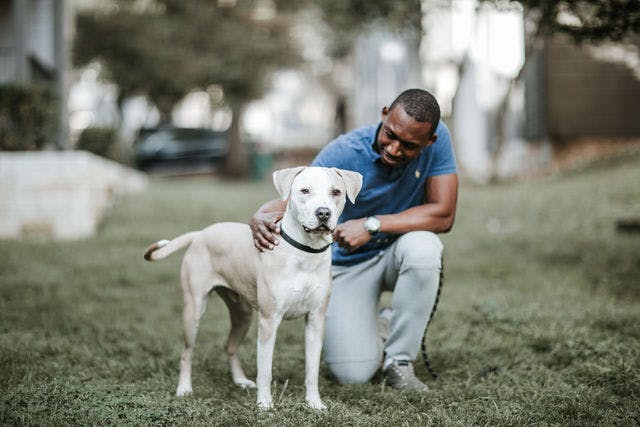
point(164, 248)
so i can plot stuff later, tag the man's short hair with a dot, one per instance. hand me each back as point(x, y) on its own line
point(420, 105)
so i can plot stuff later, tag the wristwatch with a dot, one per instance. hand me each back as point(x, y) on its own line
point(372, 225)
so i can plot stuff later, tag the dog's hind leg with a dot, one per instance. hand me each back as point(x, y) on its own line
point(240, 313)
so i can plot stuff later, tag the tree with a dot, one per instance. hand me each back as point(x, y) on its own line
point(582, 20)
point(164, 49)
point(347, 20)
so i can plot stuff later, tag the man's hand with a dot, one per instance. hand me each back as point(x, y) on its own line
point(351, 234)
point(265, 229)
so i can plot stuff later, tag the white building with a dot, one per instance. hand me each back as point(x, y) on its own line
point(34, 43)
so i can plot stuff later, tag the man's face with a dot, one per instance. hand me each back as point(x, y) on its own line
point(401, 138)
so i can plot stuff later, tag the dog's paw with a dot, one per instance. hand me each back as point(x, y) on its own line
point(245, 383)
point(183, 390)
point(265, 404)
point(316, 404)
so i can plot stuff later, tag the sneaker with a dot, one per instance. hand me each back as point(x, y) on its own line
point(384, 322)
point(399, 375)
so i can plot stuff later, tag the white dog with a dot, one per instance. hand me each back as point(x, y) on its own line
point(292, 280)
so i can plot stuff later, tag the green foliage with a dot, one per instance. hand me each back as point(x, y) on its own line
point(168, 48)
point(593, 20)
point(348, 19)
point(164, 49)
point(27, 116)
point(100, 141)
point(538, 322)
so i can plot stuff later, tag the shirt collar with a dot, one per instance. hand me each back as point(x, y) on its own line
point(375, 155)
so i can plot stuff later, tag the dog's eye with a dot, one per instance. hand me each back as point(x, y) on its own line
point(336, 192)
point(304, 191)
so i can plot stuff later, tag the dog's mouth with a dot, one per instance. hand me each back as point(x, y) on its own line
point(321, 229)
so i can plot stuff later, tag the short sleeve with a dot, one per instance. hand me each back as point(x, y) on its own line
point(444, 160)
point(331, 156)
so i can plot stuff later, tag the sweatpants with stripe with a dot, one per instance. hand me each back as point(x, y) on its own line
point(410, 268)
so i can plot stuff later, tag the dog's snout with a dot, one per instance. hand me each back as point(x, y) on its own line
point(323, 214)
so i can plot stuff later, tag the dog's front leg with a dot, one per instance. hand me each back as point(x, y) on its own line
point(267, 328)
point(314, 331)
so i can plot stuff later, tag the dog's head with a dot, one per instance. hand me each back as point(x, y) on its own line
point(317, 195)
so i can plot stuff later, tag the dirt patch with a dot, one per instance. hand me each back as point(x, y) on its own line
point(582, 152)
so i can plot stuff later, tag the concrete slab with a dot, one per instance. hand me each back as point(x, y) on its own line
point(60, 194)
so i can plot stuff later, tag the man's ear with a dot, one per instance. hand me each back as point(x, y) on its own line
point(385, 112)
point(283, 178)
point(352, 182)
point(433, 139)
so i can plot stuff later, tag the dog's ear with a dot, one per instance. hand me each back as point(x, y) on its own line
point(352, 181)
point(283, 178)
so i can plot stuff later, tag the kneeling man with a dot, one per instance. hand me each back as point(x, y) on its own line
point(386, 241)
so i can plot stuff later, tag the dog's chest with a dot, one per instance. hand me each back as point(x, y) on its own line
point(301, 289)
point(294, 283)
point(302, 295)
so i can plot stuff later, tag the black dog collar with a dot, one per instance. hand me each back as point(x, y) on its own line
point(300, 246)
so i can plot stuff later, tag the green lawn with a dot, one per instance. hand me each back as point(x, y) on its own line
point(539, 321)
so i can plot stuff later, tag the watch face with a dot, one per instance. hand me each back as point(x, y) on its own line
point(372, 224)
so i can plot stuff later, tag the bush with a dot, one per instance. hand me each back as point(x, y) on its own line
point(98, 140)
point(27, 116)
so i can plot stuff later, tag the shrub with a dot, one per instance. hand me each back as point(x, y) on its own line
point(27, 116)
point(98, 140)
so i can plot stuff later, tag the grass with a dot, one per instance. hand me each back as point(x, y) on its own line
point(539, 321)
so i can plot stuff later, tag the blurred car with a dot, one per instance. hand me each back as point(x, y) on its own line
point(179, 146)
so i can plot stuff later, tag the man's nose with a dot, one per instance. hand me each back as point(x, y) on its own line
point(394, 148)
point(323, 214)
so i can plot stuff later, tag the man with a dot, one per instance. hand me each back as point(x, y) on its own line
point(387, 240)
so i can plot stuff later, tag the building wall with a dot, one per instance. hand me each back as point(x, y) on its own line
point(35, 37)
point(7, 43)
point(42, 32)
point(28, 40)
point(588, 96)
point(535, 97)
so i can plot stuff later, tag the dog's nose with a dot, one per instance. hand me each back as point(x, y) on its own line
point(323, 214)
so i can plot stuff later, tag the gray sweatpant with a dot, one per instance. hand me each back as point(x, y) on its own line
point(410, 268)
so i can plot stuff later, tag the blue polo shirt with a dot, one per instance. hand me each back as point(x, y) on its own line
point(385, 190)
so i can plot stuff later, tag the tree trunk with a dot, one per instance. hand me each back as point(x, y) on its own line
point(503, 108)
point(340, 120)
point(500, 137)
point(237, 162)
point(165, 118)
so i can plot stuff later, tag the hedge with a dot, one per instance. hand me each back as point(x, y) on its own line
point(27, 116)
point(98, 140)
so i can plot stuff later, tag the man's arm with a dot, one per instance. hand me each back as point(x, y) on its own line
point(437, 214)
point(264, 224)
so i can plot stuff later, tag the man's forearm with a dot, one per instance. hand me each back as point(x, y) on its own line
point(264, 224)
point(273, 206)
point(428, 217)
point(436, 214)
